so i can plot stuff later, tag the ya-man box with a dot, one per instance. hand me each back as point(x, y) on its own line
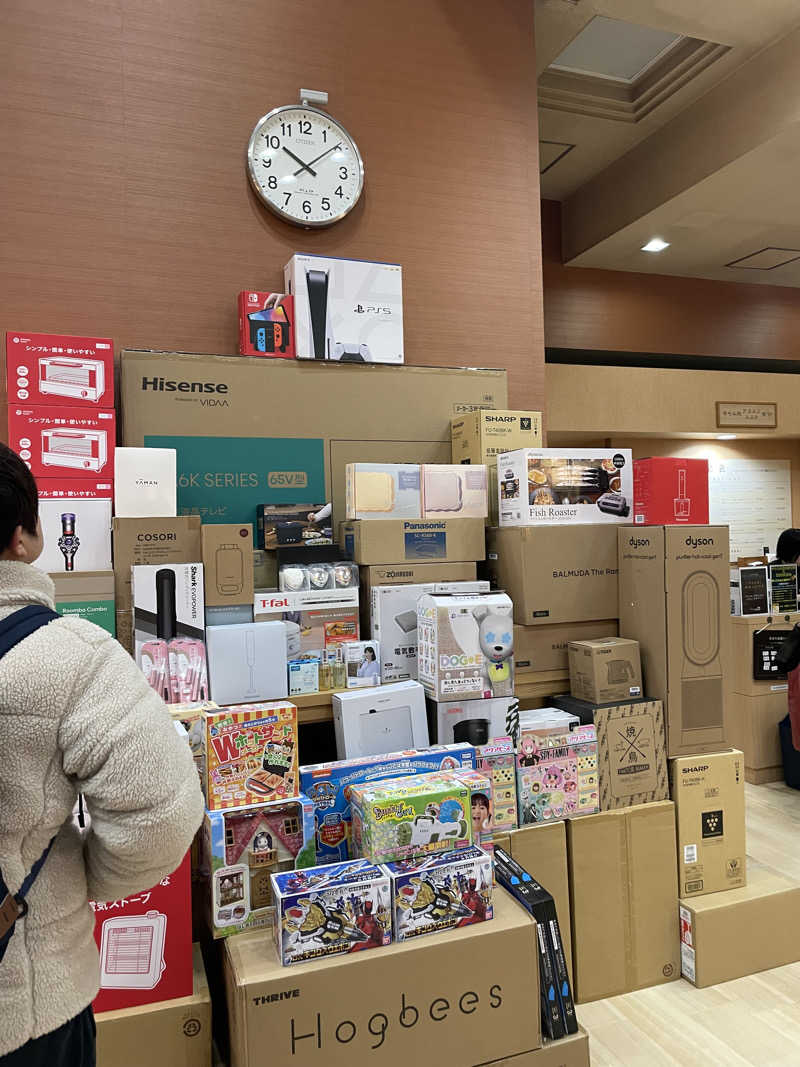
point(64, 442)
point(48, 368)
point(76, 524)
point(670, 492)
point(266, 324)
point(250, 754)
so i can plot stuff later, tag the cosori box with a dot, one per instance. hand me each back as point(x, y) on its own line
point(441, 893)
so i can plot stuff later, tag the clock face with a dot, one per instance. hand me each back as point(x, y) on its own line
point(305, 166)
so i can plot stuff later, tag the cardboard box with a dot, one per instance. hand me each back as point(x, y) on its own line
point(145, 482)
point(266, 324)
point(473, 721)
point(314, 620)
point(413, 540)
point(754, 730)
point(153, 542)
point(63, 442)
point(569, 1051)
point(454, 491)
point(192, 402)
point(392, 717)
point(174, 1032)
point(407, 574)
point(480, 436)
point(708, 792)
point(383, 491)
point(75, 514)
point(546, 648)
point(561, 486)
point(674, 601)
point(247, 662)
point(623, 888)
point(631, 754)
point(50, 368)
point(605, 669)
point(731, 935)
point(348, 310)
point(669, 491)
point(464, 996)
point(88, 595)
point(228, 564)
point(561, 574)
point(124, 629)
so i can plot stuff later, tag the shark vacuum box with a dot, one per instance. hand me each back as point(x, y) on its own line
point(346, 310)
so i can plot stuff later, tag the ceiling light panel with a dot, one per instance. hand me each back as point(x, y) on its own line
point(612, 48)
point(766, 259)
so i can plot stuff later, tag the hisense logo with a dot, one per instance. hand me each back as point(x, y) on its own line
point(170, 385)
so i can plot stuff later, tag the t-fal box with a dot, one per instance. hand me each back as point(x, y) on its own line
point(64, 442)
point(76, 524)
point(348, 310)
point(315, 619)
point(669, 491)
point(51, 368)
point(708, 792)
point(145, 944)
point(266, 324)
point(605, 669)
point(674, 601)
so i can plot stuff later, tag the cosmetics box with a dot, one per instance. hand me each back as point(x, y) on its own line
point(454, 491)
point(383, 491)
point(49, 368)
point(497, 759)
point(64, 442)
point(155, 542)
point(145, 482)
point(87, 595)
point(76, 525)
point(266, 324)
point(362, 661)
point(348, 310)
point(331, 910)
point(413, 541)
point(314, 619)
point(473, 721)
point(557, 775)
point(670, 492)
point(604, 670)
point(444, 892)
point(247, 662)
point(369, 722)
point(228, 564)
point(465, 645)
point(289, 525)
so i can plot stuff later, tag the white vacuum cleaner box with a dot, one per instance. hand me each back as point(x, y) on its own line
point(76, 525)
point(247, 662)
point(388, 718)
point(348, 310)
point(145, 482)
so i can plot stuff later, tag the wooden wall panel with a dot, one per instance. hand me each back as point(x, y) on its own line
point(124, 202)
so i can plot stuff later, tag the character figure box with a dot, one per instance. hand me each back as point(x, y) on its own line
point(441, 893)
point(557, 773)
point(250, 755)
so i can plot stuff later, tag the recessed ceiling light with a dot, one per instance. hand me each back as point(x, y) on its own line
point(726, 436)
point(655, 244)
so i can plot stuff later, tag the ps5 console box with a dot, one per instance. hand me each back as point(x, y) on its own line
point(228, 564)
point(605, 669)
point(674, 601)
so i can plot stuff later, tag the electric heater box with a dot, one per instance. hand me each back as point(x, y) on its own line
point(670, 491)
point(63, 441)
point(674, 600)
point(48, 368)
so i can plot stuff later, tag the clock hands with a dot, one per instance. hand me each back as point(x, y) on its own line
point(306, 166)
point(303, 166)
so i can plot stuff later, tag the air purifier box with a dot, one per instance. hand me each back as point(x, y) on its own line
point(266, 324)
point(383, 491)
point(145, 944)
point(674, 600)
point(76, 525)
point(454, 491)
point(370, 722)
point(669, 491)
point(64, 442)
point(605, 669)
point(47, 368)
point(708, 793)
point(247, 662)
point(228, 564)
point(145, 482)
point(475, 722)
point(347, 310)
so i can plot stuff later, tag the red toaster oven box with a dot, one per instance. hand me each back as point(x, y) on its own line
point(53, 368)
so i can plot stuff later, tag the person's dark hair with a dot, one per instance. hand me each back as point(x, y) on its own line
point(19, 500)
point(371, 652)
point(788, 547)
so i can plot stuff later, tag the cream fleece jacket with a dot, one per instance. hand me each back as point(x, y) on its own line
point(76, 715)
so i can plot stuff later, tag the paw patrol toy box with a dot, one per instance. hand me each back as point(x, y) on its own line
point(327, 911)
point(465, 645)
point(441, 893)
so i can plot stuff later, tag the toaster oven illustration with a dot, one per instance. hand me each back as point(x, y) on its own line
point(83, 379)
point(80, 449)
point(132, 951)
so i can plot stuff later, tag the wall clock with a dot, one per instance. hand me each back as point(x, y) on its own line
point(303, 164)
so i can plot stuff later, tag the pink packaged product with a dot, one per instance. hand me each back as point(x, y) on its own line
point(177, 669)
point(557, 773)
point(169, 634)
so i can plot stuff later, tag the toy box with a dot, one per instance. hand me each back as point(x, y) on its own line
point(331, 910)
point(46, 368)
point(481, 806)
point(441, 893)
point(405, 817)
point(76, 524)
point(57, 442)
point(242, 848)
point(557, 773)
point(250, 754)
point(465, 645)
point(498, 760)
point(266, 324)
point(191, 716)
point(328, 786)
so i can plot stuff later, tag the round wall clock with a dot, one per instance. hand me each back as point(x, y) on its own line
point(304, 164)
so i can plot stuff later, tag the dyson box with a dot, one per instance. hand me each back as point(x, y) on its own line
point(266, 324)
point(670, 491)
point(76, 525)
point(63, 441)
point(50, 368)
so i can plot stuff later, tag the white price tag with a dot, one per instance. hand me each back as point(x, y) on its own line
point(690, 853)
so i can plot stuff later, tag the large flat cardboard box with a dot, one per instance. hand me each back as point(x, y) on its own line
point(569, 1051)
point(623, 889)
point(240, 441)
point(743, 629)
point(730, 935)
point(169, 1033)
point(151, 542)
point(605, 669)
point(556, 574)
point(674, 600)
point(465, 997)
point(370, 541)
point(754, 730)
point(546, 648)
point(708, 792)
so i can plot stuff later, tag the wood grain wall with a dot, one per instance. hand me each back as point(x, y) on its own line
point(626, 312)
point(124, 204)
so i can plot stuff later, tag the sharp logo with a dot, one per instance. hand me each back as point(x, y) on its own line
point(287, 479)
point(699, 769)
point(698, 542)
point(506, 418)
point(639, 542)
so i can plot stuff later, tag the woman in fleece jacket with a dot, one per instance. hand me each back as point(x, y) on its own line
point(76, 716)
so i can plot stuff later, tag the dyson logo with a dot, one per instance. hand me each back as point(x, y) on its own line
point(639, 542)
point(698, 542)
point(164, 385)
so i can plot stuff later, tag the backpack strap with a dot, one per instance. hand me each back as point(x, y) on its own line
point(20, 624)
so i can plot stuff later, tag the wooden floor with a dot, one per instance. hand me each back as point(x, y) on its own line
point(753, 1020)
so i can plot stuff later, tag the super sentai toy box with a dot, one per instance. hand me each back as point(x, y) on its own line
point(557, 774)
point(250, 754)
point(405, 817)
point(241, 849)
point(441, 893)
point(331, 910)
point(328, 784)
